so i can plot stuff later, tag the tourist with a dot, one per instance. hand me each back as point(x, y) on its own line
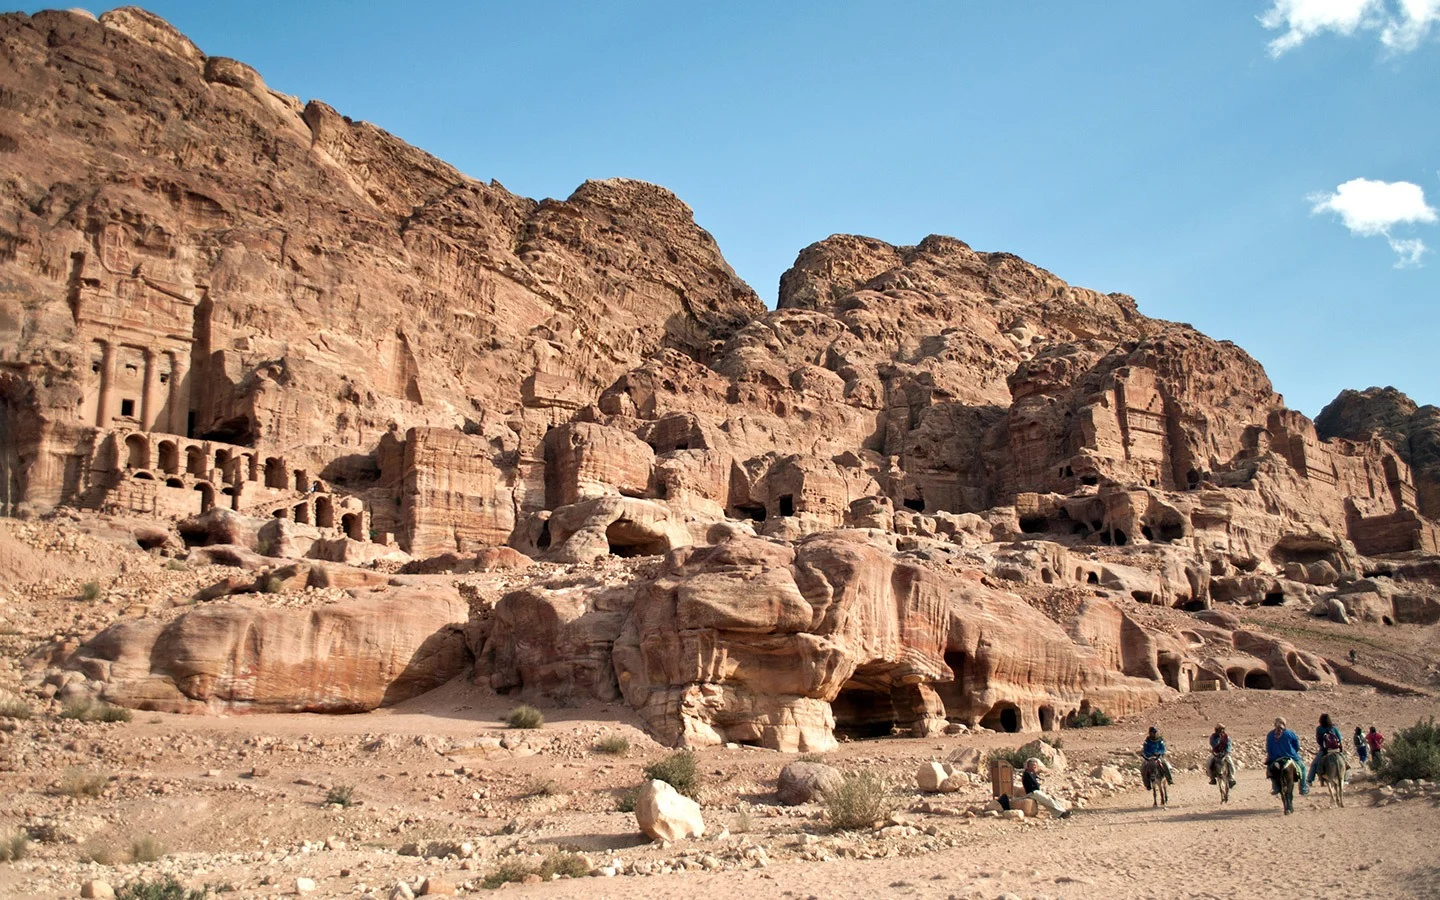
point(1282, 743)
point(1360, 749)
point(1327, 740)
point(1154, 748)
point(1219, 749)
point(1030, 780)
point(1375, 739)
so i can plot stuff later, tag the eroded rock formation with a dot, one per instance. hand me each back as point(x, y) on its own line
point(934, 487)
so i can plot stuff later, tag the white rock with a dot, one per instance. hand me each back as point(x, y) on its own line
point(666, 815)
point(304, 885)
point(100, 890)
point(930, 776)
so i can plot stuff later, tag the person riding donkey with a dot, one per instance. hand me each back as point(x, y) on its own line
point(1328, 740)
point(1282, 744)
point(1154, 748)
point(1219, 749)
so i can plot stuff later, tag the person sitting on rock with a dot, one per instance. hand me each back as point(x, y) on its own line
point(1154, 748)
point(1327, 740)
point(1219, 749)
point(1282, 743)
point(1030, 780)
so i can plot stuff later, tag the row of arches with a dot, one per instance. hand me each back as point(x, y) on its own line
point(175, 457)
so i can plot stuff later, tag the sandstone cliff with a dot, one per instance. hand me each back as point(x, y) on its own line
point(935, 487)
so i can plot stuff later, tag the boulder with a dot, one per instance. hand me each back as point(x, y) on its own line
point(664, 814)
point(1052, 758)
point(802, 782)
point(967, 759)
point(930, 776)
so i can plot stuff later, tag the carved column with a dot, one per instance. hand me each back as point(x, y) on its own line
point(149, 399)
point(178, 406)
point(103, 411)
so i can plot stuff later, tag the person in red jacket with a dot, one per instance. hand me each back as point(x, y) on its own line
point(1375, 739)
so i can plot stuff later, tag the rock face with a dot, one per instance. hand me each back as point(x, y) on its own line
point(935, 487)
point(348, 657)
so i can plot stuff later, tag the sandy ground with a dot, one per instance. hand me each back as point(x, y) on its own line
point(237, 803)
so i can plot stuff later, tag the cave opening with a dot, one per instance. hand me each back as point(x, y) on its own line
point(752, 511)
point(1274, 598)
point(861, 712)
point(626, 540)
point(1033, 524)
point(1047, 718)
point(787, 504)
point(1002, 717)
point(1259, 681)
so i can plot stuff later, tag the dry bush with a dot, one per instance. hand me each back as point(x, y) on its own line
point(613, 745)
point(861, 800)
point(14, 708)
point(524, 716)
point(80, 783)
point(14, 846)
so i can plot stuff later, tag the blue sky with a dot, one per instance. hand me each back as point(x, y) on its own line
point(1177, 151)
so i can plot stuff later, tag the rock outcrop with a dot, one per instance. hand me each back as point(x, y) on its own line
point(935, 487)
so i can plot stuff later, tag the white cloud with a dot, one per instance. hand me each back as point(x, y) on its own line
point(1372, 208)
point(1402, 24)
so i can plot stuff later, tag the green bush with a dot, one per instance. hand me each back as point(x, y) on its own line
point(340, 795)
point(860, 801)
point(1014, 757)
point(1413, 753)
point(570, 865)
point(93, 711)
point(626, 801)
point(613, 745)
point(166, 888)
point(14, 846)
point(512, 870)
point(1095, 718)
point(271, 584)
point(80, 783)
point(14, 708)
point(680, 770)
point(90, 591)
point(524, 716)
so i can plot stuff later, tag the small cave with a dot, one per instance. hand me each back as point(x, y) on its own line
point(1047, 718)
point(1259, 680)
point(239, 430)
point(1143, 596)
point(787, 505)
point(1194, 606)
point(1002, 717)
point(1089, 480)
point(1092, 578)
point(1047, 576)
point(543, 541)
point(1274, 598)
point(754, 512)
point(628, 540)
point(1121, 539)
point(863, 713)
point(1033, 524)
point(1147, 532)
point(916, 504)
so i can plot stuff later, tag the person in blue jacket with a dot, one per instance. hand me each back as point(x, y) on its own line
point(1327, 740)
point(1154, 748)
point(1282, 743)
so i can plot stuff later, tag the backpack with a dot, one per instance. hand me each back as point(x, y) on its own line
point(1329, 741)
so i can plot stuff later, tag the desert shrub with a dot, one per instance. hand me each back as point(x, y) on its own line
point(680, 770)
point(86, 710)
point(571, 865)
point(146, 849)
point(176, 565)
point(14, 708)
point(626, 801)
point(860, 801)
point(613, 745)
point(166, 888)
point(810, 758)
point(1095, 718)
point(340, 795)
point(101, 853)
point(271, 584)
point(744, 820)
point(1413, 753)
point(14, 846)
point(511, 870)
point(543, 787)
point(524, 716)
point(90, 591)
point(80, 783)
point(1014, 757)
point(1057, 742)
